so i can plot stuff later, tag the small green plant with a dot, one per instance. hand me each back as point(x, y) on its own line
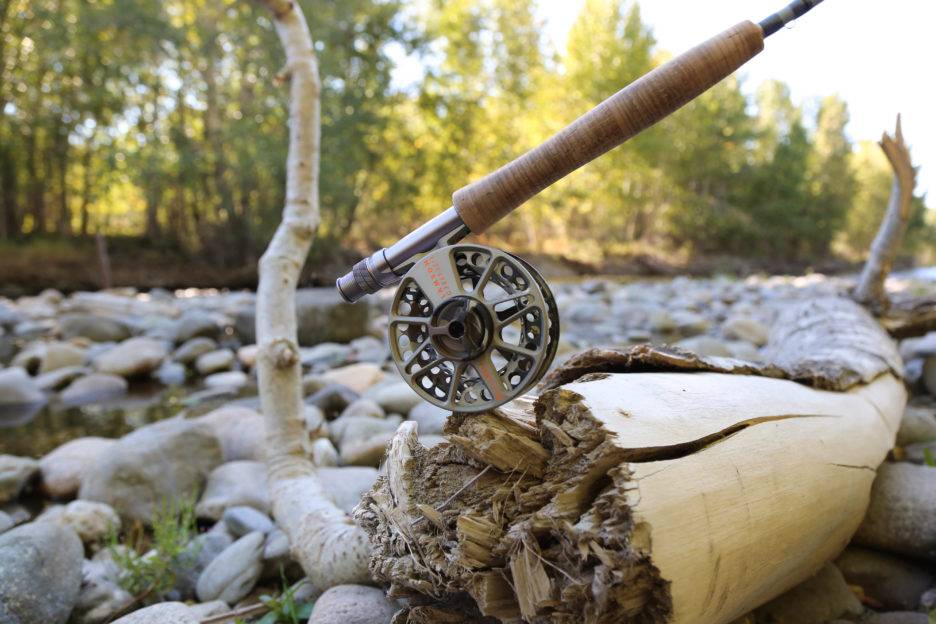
point(283, 608)
point(930, 461)
point(149, 562)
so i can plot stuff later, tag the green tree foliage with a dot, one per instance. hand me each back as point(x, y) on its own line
point(167, 120)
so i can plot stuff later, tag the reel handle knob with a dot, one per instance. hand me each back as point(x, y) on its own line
point(626, 113)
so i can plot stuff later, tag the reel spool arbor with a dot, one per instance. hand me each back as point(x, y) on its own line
point(472, 327)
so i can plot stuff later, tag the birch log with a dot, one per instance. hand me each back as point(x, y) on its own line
point(648, 485)
point(323, 539)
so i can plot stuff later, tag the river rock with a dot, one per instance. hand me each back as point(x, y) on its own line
point(333, 398)
point(397, 398)
point(243, 520)
point(17, 389)
point(6, 522)
point(365, 452)
point(239, 429)
point(746, 328)
point(359, 377)
point(893, 582)
point(101, 596)
point(353, 604)
point(917, 425)
point(705, 345)
point(194, 323)
point(40, 573)
point(190, 350)
point(91, 521)
point(15, 473)
point(429, 418)
point(325, 355)
point(313, 422)
point(93, 388)
point(363, 407)
point(234, 572)
point(95, 328)
point(160, 613)
point(63, 468)
point(132, 358)
point(346, 485)
point(234, 484)
point(247, 355)
point(323, 453)
point(228, 379)
point(214, 361)
point(351, 429)
point(817, 600)
point(164, 461)
point(901, 514)
point(369, 349)
point(321, 316)
point(61, 377)
point(46, 357)
point(200, 552)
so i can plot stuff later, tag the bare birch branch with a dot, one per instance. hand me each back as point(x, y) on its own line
point(323, 539)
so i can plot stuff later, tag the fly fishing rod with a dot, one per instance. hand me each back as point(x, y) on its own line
point(472, 327)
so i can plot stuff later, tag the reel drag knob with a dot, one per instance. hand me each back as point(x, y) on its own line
point(472, 327)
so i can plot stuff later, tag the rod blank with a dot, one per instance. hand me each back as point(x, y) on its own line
point(793, 11)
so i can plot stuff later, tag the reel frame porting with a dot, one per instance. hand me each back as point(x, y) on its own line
point(472, 327)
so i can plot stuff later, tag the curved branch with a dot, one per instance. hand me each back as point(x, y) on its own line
point(323, 539)
point(870, 290)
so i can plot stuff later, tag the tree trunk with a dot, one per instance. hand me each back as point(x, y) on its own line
point(36, 190)
point(323, 539)
point(647, 485)
point(9, 220)
point(86, 183)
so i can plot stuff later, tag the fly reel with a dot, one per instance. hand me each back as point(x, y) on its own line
point(472, 327)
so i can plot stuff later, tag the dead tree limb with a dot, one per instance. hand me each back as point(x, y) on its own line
point(870, 290)
point(648, 485)
point(323, 539)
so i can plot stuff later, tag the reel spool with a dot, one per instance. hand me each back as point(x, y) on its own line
point(472, 327)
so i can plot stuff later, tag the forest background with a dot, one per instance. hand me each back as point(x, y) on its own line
point(162, 127)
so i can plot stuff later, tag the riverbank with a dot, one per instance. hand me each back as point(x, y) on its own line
point(114, 404)
point(29, 267)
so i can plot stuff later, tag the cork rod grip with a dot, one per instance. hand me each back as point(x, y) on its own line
point(626, 113)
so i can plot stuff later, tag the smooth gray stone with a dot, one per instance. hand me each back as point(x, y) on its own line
point(40, 573)
point(234, 572)
point(243, 520)
point(900, 517)
point(94, 328)
point(165, 461)
point(353, 604)
point(816, 600)
point(93, 388)
point(201, 551)
point(893, 582)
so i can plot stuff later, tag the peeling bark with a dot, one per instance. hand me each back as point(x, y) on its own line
point(648, 485)
point(323, 539)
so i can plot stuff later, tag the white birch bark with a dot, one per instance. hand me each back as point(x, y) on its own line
point(323, 539)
